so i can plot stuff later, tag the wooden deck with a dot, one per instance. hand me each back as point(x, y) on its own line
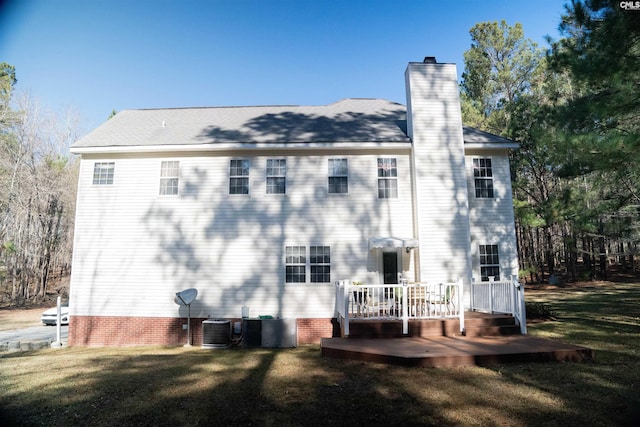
point(438, 343)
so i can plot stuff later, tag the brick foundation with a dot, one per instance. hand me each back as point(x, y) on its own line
point(311, 330)
point(101, 331)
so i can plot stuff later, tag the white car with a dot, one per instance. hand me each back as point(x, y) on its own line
point(50, 316)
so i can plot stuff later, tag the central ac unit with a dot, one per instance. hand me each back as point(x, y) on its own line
point(216, 333)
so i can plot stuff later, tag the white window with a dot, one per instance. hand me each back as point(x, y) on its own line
point(318, 264)
point(239, 176)
point(489, 262)
point(169, 177)
point(103, 173)
point(387, 179)
point(483, 176)
point(338, 176)
point(276, 176)
point(295, 264)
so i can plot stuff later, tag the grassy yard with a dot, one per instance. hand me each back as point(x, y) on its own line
point(263, 387)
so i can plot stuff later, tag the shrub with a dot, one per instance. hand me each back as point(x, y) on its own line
point(538, 310)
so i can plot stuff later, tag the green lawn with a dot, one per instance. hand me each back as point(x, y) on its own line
point(178, 386)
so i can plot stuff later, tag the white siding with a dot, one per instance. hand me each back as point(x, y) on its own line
point(492, 219)
point(134, 249)
point(433, 111)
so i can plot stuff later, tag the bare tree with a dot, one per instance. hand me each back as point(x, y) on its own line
point(38, 204)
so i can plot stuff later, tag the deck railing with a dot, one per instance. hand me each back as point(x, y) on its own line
point(503, 296)
point(401, 301)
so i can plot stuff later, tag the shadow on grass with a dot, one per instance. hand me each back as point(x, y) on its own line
point(198, 387)
point(606, 319)
point(177, 386)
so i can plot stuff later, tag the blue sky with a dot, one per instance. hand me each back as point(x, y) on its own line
point(95, 56)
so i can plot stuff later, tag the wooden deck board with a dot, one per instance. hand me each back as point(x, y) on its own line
point(453, 351)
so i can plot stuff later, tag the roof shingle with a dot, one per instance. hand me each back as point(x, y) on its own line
point(347, 121)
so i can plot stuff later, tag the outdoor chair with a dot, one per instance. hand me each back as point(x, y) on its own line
point(444, 300)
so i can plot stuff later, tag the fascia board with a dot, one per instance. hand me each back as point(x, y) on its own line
point(241, 147)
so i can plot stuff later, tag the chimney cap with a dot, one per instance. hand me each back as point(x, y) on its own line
point(430, 60)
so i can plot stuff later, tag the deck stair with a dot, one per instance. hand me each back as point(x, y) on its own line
point(488, 339)
point(476, 324)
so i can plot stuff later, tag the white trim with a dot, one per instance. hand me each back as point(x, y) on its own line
point(490, 145)
point(242, 147)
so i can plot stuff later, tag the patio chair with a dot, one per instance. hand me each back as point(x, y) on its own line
point(361, 301)
point(446, 299)
point(418, 299)
point(450, 299)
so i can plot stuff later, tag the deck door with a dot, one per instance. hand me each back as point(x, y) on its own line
point(390, 267)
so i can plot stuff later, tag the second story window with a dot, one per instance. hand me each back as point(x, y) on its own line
point(239, 176)
point(103, 173)
point(338, 176)
point(483, 177)
point(276, 176)
point(387, 179)
point(169, 177)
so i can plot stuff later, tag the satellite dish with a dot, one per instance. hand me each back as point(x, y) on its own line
point(186, 297)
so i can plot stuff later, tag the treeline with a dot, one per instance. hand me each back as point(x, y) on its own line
point(574, 107)
point(37, 201)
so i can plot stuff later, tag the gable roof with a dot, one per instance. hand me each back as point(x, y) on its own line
point(361, 122)
point(346, 121)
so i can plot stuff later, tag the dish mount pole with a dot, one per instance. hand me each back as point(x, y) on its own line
point(186, 297)
point(188, 344)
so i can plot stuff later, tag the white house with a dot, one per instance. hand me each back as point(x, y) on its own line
point(267, 207)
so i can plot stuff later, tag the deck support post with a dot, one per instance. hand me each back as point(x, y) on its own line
point(346, 290)
point(459, 294)
point(405, 308)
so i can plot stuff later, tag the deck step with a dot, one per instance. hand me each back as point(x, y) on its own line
point(492, 331)
point(476, 325)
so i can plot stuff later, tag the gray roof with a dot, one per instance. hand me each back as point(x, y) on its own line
point(477, 136)
point(346, 121)
point(349, 120)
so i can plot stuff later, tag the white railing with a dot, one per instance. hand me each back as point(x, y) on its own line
point(506, 296)
point(399, 301)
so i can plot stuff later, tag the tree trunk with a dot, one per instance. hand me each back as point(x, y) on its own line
point(602, 250)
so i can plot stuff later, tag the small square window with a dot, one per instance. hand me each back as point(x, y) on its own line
point(103, 173)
